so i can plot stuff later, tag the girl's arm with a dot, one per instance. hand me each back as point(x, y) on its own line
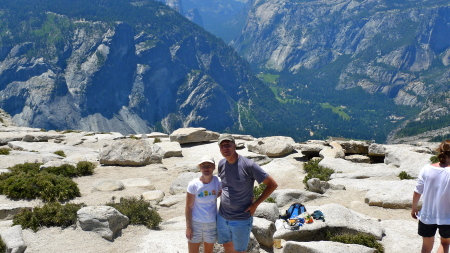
point(189, 205)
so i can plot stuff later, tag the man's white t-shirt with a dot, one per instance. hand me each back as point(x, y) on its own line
point(205, 203)
point(433, 184)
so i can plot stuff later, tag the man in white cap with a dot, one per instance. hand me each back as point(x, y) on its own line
point(201, 207)
point(237, 205)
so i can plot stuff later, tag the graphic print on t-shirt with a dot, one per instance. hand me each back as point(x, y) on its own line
point(206, 193)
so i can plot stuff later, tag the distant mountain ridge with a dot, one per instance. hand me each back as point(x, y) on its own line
point(123, 66)
point(399, 48)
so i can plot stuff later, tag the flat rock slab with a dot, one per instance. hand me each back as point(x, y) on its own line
point(337, 219)
point(325, 247)
point(394, 194)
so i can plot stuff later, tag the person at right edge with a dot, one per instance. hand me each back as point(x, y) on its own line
point(433, 184)
point(238, 175)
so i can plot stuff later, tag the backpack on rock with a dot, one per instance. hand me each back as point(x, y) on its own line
point(294, 210)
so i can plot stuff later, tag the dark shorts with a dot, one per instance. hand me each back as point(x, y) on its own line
point(429, 230)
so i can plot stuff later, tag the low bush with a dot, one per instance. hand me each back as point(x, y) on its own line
point(314, 170)
point(83, 168)
point(4, 151)
point(46, 186)
point(52, 214)
point(360, 238)
point(65, 170)
point(139, 211)
point(2, 246)
point(26, 181)
point(134, 137)
point(60, 153)
point(434, 159)
point(25, 168)
point(257, 191)
point(403, 175)
point(157, 140)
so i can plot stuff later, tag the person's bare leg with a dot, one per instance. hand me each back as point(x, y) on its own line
point(208, 247)
point(194, 247)
point(229, 247)
point(443, 248)
point(427, 244)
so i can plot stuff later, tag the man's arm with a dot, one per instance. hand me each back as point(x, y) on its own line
point(271, 185)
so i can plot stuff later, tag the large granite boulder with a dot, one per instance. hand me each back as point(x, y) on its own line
point(104, 220)
point(408, 158)
point(338, 218)
point(347, 169)
point(268, 211)
point(129, 152)
point(391, 194)
point(355, 147)
point(311, 148)
point(284, 197)
point(168, 149)
point(273, 146)
point(179, 185)
point(335, 150)
point(193, 135)
point(13, 239)
point(263, 231)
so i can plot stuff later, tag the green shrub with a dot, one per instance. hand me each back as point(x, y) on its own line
point(134, 137)
point(257, 191)
point(139, 211)
point(51, 214)
point(314, 170)
point(157, 140)
point(60, 153)
point(404, 175)
point(434, 159)
point(83, 168)
point(4, 151)
point(25, 167)
point(46, 186)
point(360, 238)
point(2, 246)
point(25, 181)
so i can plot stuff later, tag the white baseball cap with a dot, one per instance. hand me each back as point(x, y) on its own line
point(207, 159)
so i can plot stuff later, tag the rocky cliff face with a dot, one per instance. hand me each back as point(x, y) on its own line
point(115, 76)
point(389, 44)
point(397, 48)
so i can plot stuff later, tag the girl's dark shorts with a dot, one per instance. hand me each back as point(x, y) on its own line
point(429, 230)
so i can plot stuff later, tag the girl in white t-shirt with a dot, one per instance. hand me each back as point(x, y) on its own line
point(433, 184)
point(201, 207)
